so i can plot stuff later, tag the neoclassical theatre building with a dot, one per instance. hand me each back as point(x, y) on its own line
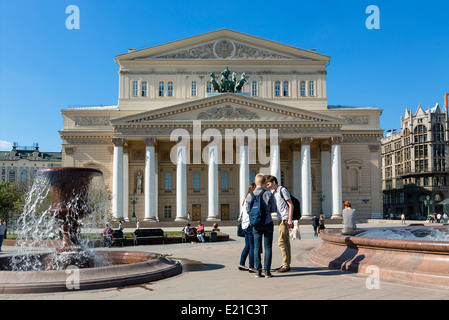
point(177, 143)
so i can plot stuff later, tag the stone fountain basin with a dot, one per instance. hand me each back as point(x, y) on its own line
point(128, 268)
point(416, 261)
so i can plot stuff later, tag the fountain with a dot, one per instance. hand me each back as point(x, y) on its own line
point(410, 253)
point(37, 267)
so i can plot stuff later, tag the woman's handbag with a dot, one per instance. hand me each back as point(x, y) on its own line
point(240, 231)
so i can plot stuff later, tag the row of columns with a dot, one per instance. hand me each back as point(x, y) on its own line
point(302, 188)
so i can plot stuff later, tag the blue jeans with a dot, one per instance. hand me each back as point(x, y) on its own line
point(265, 231)
point(248, 250)
point(1, 242)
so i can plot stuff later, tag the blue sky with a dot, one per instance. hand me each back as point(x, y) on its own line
point(45, 67)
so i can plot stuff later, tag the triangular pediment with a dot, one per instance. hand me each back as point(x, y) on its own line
point(228, 107)
point(223, 45)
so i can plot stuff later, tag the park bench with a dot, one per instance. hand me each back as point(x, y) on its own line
point(141, 234)
point(117, 237)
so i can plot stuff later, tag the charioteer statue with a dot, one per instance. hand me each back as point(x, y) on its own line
point(226, 84)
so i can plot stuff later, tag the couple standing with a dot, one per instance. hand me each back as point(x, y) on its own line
point(279, 201)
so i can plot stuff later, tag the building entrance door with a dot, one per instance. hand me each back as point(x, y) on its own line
point(196, 212)
point(225, 211)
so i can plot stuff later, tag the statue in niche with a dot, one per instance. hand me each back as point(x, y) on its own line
point(139, 183)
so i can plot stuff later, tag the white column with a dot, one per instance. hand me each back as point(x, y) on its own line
point(337, 199)
point(296, 174)
point(275, 157)
point(126, 186)
point(244, 171)
point(213, 214)
point(326, 181)
point(306, 178)
point(150, 172)
point(117, 179)
point(181, 183)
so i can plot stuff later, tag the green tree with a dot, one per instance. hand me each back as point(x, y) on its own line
point(12, 198)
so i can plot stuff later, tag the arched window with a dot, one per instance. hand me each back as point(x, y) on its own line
point(12, 176)
point(311, 88)
point(161, 88)
point(24, 176)
point(302, 88)
point(193, 88)
point(277, 89)
point(420, 134)
point(196, 181)
point(135, 88)
point(254, 89)
point(170, 89)
point(285, 88)
point(209, 87)
point(168, 181)
point(225, 180)
point(144, 88)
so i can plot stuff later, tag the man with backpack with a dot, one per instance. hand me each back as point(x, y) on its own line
point(259, 205)
point(285, 208)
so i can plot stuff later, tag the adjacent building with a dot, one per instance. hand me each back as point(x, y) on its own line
point(22, 162)
point(415, 163)
point(181, 147)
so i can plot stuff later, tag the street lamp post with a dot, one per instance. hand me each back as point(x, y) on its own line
point(428, 203)
point(134, 200)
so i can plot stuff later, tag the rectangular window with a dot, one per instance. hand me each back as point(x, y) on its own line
point(254, 89)
point(167, 212)
point(135, 88)
point(161, 88)
point(170, 89)
point(302, 88)
point(311, 88)
point(277, 89)
point(193, 88)
point(209, 87)
point(196, 181)
point(168, 181)
point(285, 88)
point(144, 89)
point(225, 180)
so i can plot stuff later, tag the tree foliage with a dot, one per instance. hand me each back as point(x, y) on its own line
point(12, 198)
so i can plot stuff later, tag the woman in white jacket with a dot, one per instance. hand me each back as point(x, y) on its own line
point(248, 250)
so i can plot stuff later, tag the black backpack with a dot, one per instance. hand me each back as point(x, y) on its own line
point(296, 206)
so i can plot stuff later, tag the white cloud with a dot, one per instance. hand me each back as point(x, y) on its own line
point(5, 145)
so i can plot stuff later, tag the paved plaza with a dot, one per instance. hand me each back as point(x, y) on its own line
point(210, 273)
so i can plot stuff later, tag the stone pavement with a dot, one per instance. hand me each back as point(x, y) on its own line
point(210, 273)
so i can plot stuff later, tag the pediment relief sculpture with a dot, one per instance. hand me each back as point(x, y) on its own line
point(224, 49)
point(227, 112)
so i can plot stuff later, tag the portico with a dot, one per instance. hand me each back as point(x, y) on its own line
point(233, 142)
point(179, 144)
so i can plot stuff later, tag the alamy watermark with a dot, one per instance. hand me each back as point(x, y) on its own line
point(373, 20)
point(72, 281)
point(73, 20)
point(373, 280)
point(256, 141)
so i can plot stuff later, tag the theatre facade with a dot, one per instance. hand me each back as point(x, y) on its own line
point(176, 144)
